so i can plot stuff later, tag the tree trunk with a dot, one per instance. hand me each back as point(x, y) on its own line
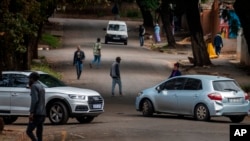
point(243, 11)
point(146, 15)
point(167, 26)
point(200, 54)
point(215, 18)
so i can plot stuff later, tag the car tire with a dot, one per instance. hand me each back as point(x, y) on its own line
point(58, 113)
point(85, 119)
point(106, 41)
point(9, 119)
point(147, 108)
point(237, 119)
point(201, 113)
point(125, 43)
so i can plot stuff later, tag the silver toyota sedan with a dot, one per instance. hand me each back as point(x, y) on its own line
point(200, 96)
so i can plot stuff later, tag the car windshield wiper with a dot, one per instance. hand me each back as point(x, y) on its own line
point(229, 89)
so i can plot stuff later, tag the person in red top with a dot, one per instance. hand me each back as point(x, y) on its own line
point(175, 71)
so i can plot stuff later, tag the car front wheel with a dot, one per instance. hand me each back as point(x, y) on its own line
point(58, 113)
point(202, 113)
point(147, 108)
point(237, 119)
point(85, 119)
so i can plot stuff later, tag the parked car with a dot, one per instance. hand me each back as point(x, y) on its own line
point(200, 96)
point(116, 31)
point(62, 101)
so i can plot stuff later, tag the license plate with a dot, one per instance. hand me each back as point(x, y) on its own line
point(234, 100)
point(97, 106)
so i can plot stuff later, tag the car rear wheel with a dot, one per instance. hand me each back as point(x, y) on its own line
point(85, 119)
point(58, 113)
point(9, 119)
point(147, 108)
point(237, 119)
point(202, 113)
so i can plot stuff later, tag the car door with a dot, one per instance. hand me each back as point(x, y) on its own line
point(188, 97)
point(167, 98)
point(4, 95)
point(20, 94)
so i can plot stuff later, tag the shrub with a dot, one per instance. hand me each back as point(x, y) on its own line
point(42, 65)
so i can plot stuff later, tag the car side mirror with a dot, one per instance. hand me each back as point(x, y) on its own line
point(158, 89)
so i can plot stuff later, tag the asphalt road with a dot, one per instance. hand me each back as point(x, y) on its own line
point(140, 68)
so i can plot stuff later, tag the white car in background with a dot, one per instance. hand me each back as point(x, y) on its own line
point(116, 31)
point(62, 101)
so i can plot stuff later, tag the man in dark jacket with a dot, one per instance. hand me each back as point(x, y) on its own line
point(37, 108)
point(115, 74)
point(78, 60)
point(218, 43)
point(141, 34)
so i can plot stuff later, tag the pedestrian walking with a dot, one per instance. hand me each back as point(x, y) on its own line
point(78, 61)
point(175, 71)
point(115, 75)
point(115, 11)
point(97, 53)
point(37, 108)
point(157, 30)
point(218, 43)
point(142, 31)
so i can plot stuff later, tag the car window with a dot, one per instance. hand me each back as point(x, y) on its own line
point(174, 84)
point(226, 85)
point(116, 27)
point(4, 81)
point(50, 81)
point(18, 80)
point(193, 84)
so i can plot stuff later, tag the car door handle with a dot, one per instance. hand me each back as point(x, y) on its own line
point(14, 94)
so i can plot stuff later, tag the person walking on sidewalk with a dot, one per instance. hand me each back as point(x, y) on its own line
point(78, 61)
point(157, 30)
point(141, 34)
point(115, 75)
point(37, 108)
point(218, 43)
point(97, 53)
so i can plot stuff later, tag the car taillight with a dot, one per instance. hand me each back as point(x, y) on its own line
point(246, 96)
point(215, 96)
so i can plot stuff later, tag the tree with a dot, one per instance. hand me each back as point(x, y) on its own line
point(166, 13)
point(199, 49)
point(242, 10)
point(21, 23)
point(146, 9)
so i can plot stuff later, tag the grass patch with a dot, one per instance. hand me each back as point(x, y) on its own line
point(50, 40)
point(42, 65)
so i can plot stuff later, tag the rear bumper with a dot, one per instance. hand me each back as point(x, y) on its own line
point(230, 110)
point(115, 39)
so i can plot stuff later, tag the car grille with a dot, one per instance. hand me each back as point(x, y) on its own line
point(94, 101)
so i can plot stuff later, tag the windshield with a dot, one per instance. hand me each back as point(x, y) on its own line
point(116, 27)
point(50, 81)
point(226, 85)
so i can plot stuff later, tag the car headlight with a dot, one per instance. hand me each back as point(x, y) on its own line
point(140, 93)
point(73, 96)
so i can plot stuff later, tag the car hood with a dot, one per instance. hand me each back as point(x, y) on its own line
point(72, 90)
point(117, 32)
